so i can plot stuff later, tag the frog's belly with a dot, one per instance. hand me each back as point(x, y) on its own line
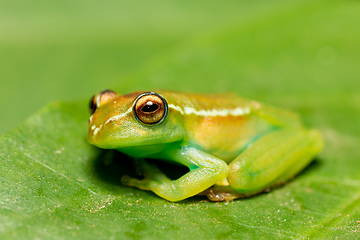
point(227, 137)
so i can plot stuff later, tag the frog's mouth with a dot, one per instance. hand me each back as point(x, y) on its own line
point(131, 144)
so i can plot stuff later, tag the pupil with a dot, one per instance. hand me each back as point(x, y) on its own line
point(150, 107)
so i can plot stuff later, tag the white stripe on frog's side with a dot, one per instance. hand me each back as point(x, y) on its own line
point(186, 111)
point(212, 113)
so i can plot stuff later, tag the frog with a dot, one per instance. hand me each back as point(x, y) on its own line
point(233, 147)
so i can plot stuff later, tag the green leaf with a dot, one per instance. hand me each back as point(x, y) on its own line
point(303, 55)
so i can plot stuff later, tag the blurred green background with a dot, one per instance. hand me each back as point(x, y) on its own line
point(299, 54)
point(274, 51)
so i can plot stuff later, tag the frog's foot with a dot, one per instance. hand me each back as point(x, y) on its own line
point(152, 176)
point(221, 193)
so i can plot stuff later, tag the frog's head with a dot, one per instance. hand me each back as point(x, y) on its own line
point(137, 120)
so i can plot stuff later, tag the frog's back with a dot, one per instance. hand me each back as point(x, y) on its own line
point(206, 102)
point(222, 125)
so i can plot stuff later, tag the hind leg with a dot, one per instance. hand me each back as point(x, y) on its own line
point(268, 162)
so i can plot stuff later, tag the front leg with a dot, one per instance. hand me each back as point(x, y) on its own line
point(205, 171)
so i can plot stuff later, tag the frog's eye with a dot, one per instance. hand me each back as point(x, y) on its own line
point(100, 99)
point(150, 108)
